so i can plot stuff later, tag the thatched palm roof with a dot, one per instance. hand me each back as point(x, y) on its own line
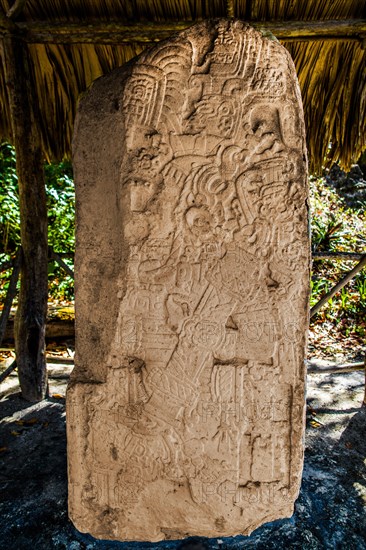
point(72, 43)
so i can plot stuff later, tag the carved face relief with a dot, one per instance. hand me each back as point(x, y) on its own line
point(265, 126)
point(214, 115)
point(199, 223)
point(141, 193)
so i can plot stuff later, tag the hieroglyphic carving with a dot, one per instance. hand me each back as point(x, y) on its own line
point(196, 424)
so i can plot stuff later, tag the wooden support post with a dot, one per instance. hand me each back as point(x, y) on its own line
point(32, 306)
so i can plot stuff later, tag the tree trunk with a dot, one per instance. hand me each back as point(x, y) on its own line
point(32, 308)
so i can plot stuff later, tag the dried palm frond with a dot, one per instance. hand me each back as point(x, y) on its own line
point(331, 73)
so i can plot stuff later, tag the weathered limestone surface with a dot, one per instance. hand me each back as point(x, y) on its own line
point(185, 409)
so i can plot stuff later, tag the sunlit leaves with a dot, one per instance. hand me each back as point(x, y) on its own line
point(61, 213)
point(336, 227)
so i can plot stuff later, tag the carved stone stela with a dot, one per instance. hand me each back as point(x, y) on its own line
point(185, 408)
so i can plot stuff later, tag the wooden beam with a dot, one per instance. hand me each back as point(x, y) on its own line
point(345, 29)
point(7, 26)
point(56, 329)
point(337, 256)
point(54, 256)
point(8, 371)
point(361, 264)
point(39, 32)
point(336, 369)
point(32, 306)
point(16, 9)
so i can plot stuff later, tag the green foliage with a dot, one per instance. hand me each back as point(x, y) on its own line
point(319, 286)
point(61, 212)
point(336, 227)
point(61, 206)
point(361, 288)
point(9, 202)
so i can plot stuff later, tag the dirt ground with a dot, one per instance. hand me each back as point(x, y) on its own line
point(330, 512)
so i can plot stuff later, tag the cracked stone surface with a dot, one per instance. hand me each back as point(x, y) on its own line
point(186, 406)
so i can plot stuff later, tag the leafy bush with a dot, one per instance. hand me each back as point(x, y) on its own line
point(9, 202)
point(61, 212)
point(61, 206)
point(336, 227)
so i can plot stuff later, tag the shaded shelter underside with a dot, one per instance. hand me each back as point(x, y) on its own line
point(330, 64)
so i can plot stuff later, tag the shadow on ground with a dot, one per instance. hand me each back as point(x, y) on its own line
point(329, 513)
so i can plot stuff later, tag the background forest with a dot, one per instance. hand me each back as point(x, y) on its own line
point(338, 223)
